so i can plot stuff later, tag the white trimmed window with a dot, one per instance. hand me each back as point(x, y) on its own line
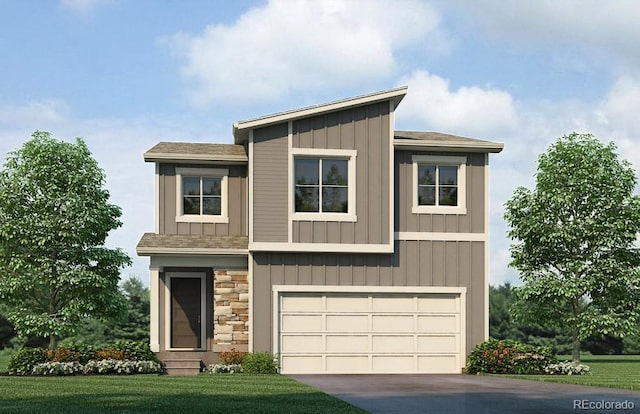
point(201, 195)
point(323, 184)
point(439, 184)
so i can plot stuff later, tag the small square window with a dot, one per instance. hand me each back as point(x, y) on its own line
point(439, 184)
point(201, 195)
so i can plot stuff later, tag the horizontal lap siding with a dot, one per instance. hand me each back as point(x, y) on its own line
point(415, 263)
point(471, 222)
point(237, 207)
point(365, 129)
point(270, 181)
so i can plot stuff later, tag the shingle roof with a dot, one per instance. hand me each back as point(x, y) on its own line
point(191, 151)
point(443, 141)
point(152, 243)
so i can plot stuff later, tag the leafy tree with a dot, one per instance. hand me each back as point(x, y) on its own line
point(54, 218)
point(135, 326)
point(574, 238)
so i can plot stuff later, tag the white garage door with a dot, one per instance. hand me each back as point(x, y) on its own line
point(370, 332)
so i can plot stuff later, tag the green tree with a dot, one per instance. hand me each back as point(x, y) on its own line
point(135, 326)
point(574, 237)
point(54, 218)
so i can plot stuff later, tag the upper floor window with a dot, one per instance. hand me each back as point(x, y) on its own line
point(324, 184)
point(201, 195)
point(439, 184)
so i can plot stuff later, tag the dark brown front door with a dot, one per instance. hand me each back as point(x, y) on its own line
point(185, 312)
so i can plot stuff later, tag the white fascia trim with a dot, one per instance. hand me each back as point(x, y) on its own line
point(369, 289)
point(486, 247)
point(224, 198)
point(461, 163)
point(321, 247)
point(250, 180)
point(325, 152)
point(250, 282)
point(147, 251)
point(162, 157)
point(450, 146)
point(290, 183)
point(154, 309)
point(156, 185)
point(203, 309)
point(319, 109)
point(440, 236)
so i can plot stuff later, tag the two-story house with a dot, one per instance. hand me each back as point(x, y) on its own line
point(326, 237)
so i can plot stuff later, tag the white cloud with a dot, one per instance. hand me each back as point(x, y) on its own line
point(471, 110)
point(597, 27)
point(286, 47)
point(36, 112)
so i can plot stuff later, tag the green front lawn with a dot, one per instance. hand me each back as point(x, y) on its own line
point(237, 393)
point(613, 371)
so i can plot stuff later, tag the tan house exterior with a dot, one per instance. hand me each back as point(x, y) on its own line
point(323, 236)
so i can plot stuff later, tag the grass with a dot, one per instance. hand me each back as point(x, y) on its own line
point(165, 394)
point(612, 371)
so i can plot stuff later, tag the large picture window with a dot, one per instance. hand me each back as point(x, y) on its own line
point(323, 184)
point(201, 195)
point(439, 184)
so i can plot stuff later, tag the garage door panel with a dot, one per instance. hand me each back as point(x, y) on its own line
point(442, 304)
point(302, 343)
point(392, 323)
point(347, 304)
point(370, 333)
point(295, 364)
point(347, 364)
point(301, 323)
point(301, 304)
point(393, 304)
point(347, 323)
point(392, 343)
point(347, 343)
point(393, 363)
point(439, 323)
point(438, 364)
point(438, 343)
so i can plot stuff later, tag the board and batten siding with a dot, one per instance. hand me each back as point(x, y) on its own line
point(270, 182)
point(237, 207)
point(471, 222)
point(365, 129)
point(415, 263)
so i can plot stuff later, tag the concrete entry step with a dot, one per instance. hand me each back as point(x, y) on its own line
point(182, 367)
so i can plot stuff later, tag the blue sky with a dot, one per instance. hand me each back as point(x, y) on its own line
point(125, 74)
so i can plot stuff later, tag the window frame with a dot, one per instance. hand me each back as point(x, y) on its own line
point(315, 153)
point(440, 160)
point(221, 173)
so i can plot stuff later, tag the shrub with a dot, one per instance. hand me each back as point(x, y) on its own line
point(110, 353)
point(85, 352)
point(61, 354)
point(135, 350)
point(115, 366)
point(57, 368)
point(24, 359)
point(567, 368)
point(508, 357)
point(232, 357)
point(259, 363)
point(224, 368)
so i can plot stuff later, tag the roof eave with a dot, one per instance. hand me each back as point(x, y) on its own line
point(194, 158)
point(241, 128)
point(450, 146)
point(150, 251)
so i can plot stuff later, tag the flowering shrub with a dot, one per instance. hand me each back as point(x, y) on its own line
point(115, 366)
point(224, 368)
point(232, 357)
point(567, 368)
point(508, 357)
point(110, 353)
point(61, 354)
point(57, 368)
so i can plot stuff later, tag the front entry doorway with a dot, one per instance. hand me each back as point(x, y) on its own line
point(186, 312)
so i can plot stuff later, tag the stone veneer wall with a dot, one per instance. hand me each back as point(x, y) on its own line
point(231, 308)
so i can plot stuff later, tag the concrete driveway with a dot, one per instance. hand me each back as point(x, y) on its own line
point(469, 394)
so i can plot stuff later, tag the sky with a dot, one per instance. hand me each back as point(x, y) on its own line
point(126, 74)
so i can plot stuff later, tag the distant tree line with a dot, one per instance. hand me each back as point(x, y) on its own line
point(502, 325)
